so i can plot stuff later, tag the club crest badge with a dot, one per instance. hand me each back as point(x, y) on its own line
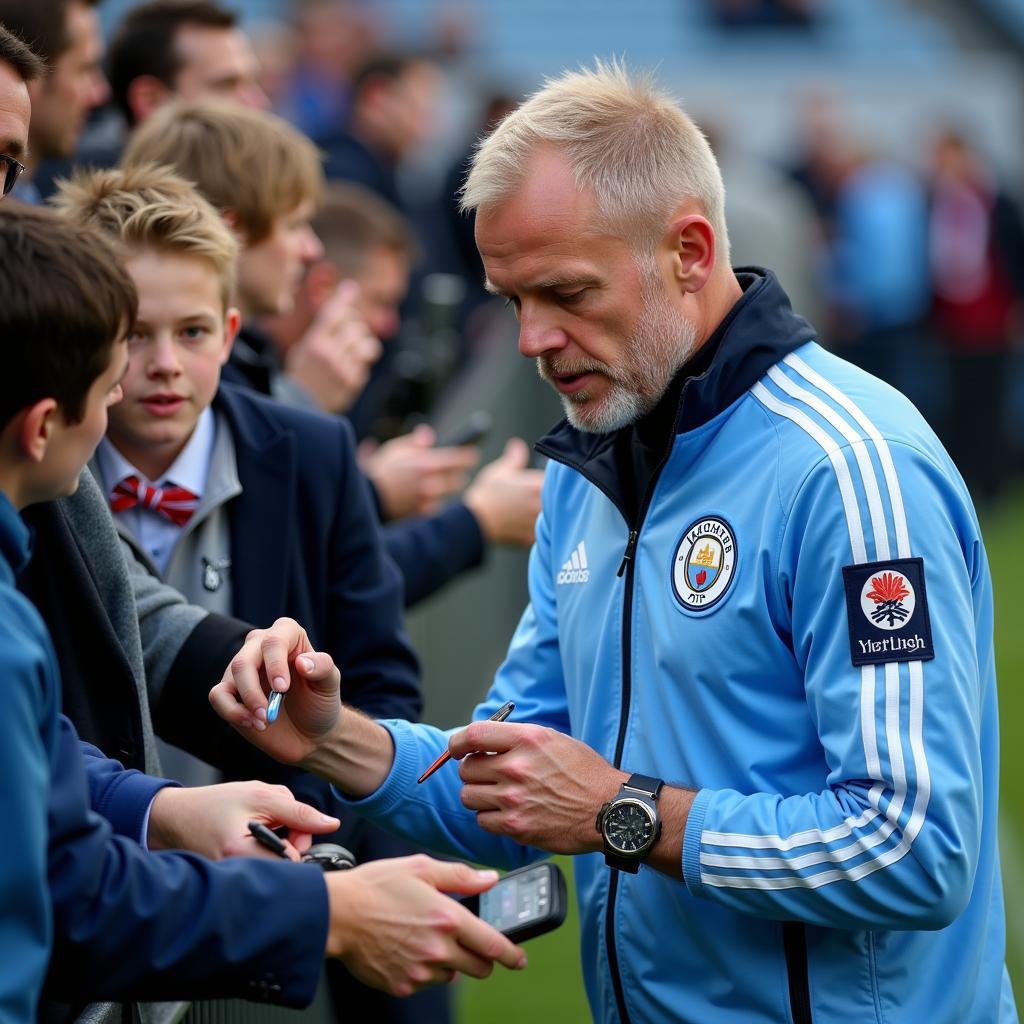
point(704, 563)
point(887, 609)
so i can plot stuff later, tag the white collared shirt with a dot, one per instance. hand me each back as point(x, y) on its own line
point(156, 534)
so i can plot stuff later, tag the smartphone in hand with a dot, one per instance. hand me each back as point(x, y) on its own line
point(523, 903)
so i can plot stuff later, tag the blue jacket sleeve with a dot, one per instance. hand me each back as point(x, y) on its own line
point(122, 796)
point(432, 815)
point(27, 735)
point(130, 924)
point(430, 551)
point(891, 840)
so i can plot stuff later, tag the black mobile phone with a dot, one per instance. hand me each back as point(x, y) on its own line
point(473, 431)
point(523, 903)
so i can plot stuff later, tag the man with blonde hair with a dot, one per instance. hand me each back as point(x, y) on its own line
point(730, 680)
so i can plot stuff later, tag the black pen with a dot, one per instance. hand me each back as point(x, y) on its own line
point(499, 716)
point(271, 840)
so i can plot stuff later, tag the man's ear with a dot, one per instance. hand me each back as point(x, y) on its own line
point(144, 95)
point(691, 241)
point(36, 428)
point(232, 324)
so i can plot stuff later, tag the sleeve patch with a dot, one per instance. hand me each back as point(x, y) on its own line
point(887, 611)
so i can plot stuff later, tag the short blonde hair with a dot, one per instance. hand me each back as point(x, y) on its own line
point(626, 140)
point(152, 207)
point(247, 162)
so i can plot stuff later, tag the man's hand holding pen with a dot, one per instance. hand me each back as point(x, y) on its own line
point(533, 784)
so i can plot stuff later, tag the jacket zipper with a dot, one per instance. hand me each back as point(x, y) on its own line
point(626, 568)
point(794, 945)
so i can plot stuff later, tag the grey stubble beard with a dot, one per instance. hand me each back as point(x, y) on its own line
point(660, 345)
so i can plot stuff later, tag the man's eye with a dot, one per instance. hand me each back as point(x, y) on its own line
point(570, 298)
point(194, 333)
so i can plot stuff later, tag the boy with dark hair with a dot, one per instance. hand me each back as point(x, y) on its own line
point(127, 922)
point(46, 431)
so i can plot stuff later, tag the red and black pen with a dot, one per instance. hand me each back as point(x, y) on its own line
point(499, 716)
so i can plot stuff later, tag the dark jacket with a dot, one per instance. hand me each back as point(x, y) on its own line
point(29, 738)
point(131, 924)
point(125, 920)
point(306, 544)
point(430, 551)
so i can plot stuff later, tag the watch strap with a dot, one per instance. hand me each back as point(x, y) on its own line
point(644, 784)
point(613, 860)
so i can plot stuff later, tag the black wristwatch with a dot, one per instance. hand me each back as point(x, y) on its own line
point(630, 824)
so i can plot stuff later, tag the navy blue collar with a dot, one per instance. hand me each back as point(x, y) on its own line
point(755, 334)
point(15, 540)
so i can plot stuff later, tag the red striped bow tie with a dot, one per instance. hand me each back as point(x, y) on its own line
point(175, 503)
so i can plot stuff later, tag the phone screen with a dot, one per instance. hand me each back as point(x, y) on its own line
point(518, 900)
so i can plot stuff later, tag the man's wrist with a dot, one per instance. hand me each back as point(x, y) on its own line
point(340, 893)
point(593, 838)
point(161, 832)
point(355, 756)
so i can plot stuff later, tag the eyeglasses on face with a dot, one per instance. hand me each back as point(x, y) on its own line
point(10, 169)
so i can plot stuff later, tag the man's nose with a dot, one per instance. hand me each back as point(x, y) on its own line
point(538, 335)
point(100, 91)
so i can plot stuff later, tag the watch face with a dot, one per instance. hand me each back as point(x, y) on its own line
point(629, 827)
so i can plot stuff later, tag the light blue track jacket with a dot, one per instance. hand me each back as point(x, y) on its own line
point(803, 634)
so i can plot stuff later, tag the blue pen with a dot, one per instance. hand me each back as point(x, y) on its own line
point(274, 706)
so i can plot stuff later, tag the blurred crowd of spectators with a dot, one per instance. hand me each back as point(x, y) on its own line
point(922, 275)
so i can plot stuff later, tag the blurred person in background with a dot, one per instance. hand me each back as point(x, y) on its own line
point(161, 50)
point(824, 155)
point(392, 110)
point(747, 14)
point(180, 49)
point(332, 38)
point(66, 34)
point(878, 280)
point(368, 242)
point(976, 266)
point(461, 225)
